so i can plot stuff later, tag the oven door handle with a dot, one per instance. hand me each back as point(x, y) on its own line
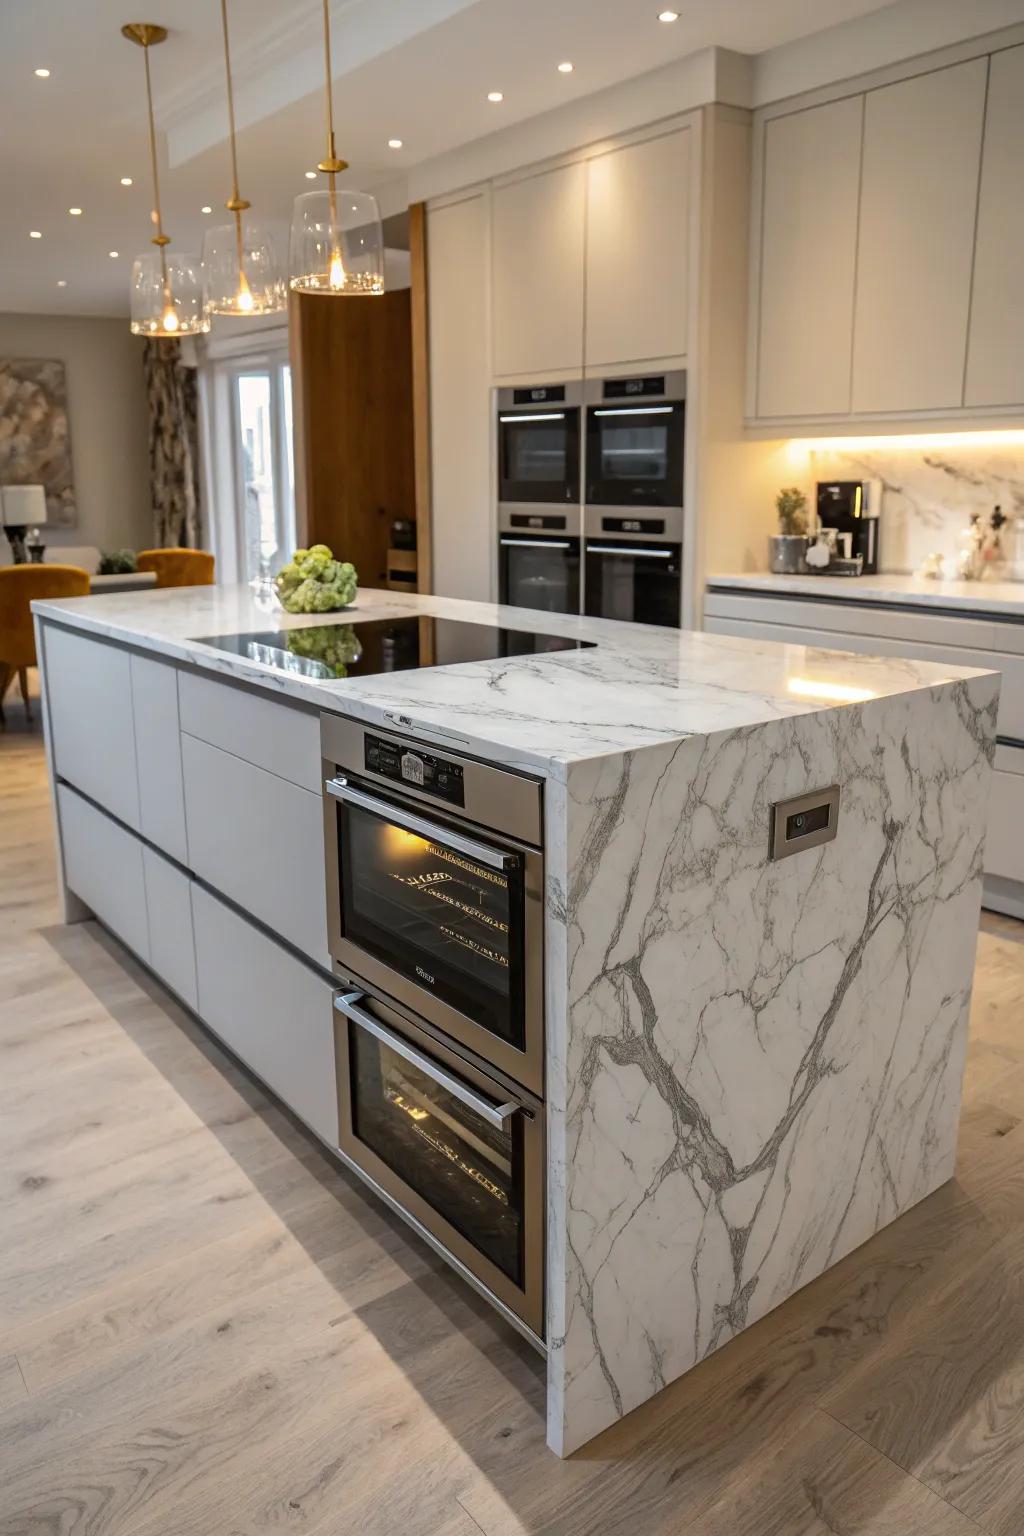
point(632, 554)
point(497, 1115)
point(341, 789)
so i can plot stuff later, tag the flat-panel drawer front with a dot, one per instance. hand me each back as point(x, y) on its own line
point(103, 866)
point(1011, 668)
point(89, 694)
point(270, 733)
point(260, 840)
point(271, 1009)
point(169, 903)
point(158, 753)
point(858, 617)
point(1004, 846)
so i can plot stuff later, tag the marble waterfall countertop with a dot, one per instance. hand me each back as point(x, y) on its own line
point(640, 684)
point(1003, 599)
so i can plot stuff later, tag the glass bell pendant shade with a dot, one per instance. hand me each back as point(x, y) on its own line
point(167, 295)
point(252, 285)
point(337, 244)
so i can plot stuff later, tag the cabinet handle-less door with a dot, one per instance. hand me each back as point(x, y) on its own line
point(497, 1115)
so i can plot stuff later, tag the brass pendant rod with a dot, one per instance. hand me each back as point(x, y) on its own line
point(236, 204)
point(328, 84)
point(160, 239)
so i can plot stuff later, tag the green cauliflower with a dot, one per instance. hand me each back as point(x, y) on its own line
point(314, 582)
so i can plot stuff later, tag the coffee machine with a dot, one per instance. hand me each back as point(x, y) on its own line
point(852, 508)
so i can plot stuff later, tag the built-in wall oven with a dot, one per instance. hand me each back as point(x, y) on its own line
point(435, 917)
point(539, 455)
point(633, 517)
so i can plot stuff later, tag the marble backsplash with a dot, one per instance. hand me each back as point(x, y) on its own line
point(929, 492)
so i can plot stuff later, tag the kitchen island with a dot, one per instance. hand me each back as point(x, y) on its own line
point(751, 1062)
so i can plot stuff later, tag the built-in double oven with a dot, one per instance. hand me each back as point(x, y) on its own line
point(633, 512)
point(435, 922)
point(538, 451)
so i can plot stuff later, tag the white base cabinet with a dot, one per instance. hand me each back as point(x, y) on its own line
point(103, 865)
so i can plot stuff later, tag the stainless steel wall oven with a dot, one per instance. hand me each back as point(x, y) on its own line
point(539, 445)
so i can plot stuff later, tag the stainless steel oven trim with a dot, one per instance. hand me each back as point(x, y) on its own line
point(526, 1302)
point(481, 853)
point(594, 516)
point(516, 813)
point(497, 1115)
point(675, 388)
point(537, 541)
point(630, 552)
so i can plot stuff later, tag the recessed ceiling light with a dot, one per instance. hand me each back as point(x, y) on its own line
point(311, 175)
point(495, 96)
point(394, 143)
point(43, 74)
point(62, 282)
point(668, 15)
point(35, 234)
point(126, 181)
point(565, 69)
point(114, 254)
point(206, 208)
point(75, 212)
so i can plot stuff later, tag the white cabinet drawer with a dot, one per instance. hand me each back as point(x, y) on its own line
point(103, 866)
point(89, 693)
point(269, 1008)
point(260, 840)
point(158, 754)
point(169, 903)
point(274, 735)
point(1004, 847)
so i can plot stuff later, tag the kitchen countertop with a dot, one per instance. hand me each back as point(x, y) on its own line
point(640, 685)
point(1004, 599)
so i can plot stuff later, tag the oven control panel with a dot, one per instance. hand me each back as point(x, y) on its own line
point(435, 776)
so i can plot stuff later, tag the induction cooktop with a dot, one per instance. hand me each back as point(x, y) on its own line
point(363, 647)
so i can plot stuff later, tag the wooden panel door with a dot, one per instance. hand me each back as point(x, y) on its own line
point(922, 147)
point(995, 348)
point(638, 252)
point(462, 491)
point(808, 258)
point(89, 695)
point(537, 268)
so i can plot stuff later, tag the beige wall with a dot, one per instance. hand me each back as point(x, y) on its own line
point(108, 422)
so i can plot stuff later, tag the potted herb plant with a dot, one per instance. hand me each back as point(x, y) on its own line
point(787, 548)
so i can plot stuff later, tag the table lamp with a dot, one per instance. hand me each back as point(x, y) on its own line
point(21, 507)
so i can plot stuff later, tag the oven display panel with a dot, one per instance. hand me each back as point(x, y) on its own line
point(435, 776)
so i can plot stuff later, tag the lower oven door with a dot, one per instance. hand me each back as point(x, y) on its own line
point(445, 921)
point(539, 572)
point(635, 582)
point(449, 1145)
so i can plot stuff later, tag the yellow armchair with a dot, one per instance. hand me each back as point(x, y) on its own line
point(178, 567)
point(19, 586)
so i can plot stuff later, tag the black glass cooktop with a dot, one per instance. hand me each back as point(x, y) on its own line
point(362, 647)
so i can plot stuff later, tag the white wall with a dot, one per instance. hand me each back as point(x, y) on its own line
point(108, 423)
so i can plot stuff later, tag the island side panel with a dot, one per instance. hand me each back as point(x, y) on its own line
point(763, 1060)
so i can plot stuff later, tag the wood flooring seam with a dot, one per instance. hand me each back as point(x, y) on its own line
point(470, 1516)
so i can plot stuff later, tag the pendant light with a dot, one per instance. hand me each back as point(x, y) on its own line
point(240, 272)
point(167, 290)
point(337, 244)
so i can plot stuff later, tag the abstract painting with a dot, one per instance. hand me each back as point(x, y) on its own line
point(35, 443)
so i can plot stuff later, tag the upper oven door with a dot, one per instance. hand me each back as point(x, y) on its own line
point(448, 923)
point(635, 455)
point(539, 456)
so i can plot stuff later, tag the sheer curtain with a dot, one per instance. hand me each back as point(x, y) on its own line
point(173, 398)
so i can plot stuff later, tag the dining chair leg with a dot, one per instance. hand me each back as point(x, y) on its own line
point(6, 673)
point(23, 680)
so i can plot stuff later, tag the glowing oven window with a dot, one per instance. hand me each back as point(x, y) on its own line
point(451, 925)
point(466, 1170)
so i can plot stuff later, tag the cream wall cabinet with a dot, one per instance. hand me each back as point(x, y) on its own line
point(638, 252)
point(995, 355)
point(919, 189)
point(537, 272)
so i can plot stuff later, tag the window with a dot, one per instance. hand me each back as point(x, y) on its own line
point(250, 480)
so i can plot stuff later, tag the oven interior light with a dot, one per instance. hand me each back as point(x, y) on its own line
point(540, 416)
point(635, 410)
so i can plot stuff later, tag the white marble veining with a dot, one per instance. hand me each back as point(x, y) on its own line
point(758, 1064)
point(929, 491)
point(1004, 599)
point(639, 685)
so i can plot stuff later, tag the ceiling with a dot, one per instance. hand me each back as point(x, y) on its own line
point(418, 70)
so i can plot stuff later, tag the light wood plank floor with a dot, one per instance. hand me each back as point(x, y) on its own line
point(206, 1327)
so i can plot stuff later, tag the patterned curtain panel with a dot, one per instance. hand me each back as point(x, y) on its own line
point(173, 394)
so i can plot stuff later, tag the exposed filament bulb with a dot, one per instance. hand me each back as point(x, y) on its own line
point(336, 276)
point(243, 298)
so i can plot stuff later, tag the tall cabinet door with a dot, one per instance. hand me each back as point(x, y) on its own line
point(922, 144)
point(638, 252)
point(995, 355)
point(808, 259)
point(537, 299)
